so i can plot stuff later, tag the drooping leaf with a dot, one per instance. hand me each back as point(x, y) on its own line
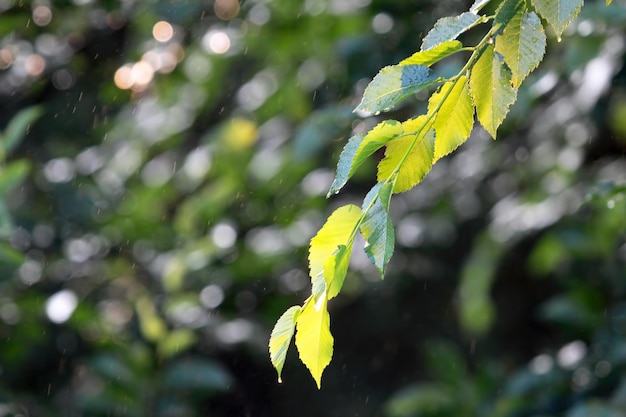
point(558, 13)
point(434, 54)
point(280, 339)
point(313, 338)
point(410, 157)
point(455, 116)
point(491, 89)
point(377, 228)
point(522, 44)
point(336, 232)
point(392, 84)
point(359, 148)
point(449, 28)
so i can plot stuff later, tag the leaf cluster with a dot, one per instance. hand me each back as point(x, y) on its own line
point(484, 89)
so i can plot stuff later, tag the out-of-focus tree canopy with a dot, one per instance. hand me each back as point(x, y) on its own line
point(163, 166)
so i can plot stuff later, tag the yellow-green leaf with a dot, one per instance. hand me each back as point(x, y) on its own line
point(338, 231)
point(280, 338)
point(409, 158)
point(491, 89)
point(559, 13)
point(608, 2)
point(522, 44)
point(455, 116)
point(313, 338)
point(434, 54)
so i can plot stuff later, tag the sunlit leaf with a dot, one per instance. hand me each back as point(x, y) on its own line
point(608, 2)
point(410, 157)
point(522, 44)
point(392, 84)
point(359, 148)
point(449, 28)
point(337, 231)
point(434, 54)
point(558, 13)
point(313, 338)
point(336, 267)
point(377, 228)
point(491, 90)
point(455, 117)
point(281, 336)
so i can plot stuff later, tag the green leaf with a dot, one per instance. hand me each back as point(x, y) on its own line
point(434, 54)
point(18, 127)
point(507, 11)
point(281, 336)
point(491, 90)
point(392, 84)
point(338, 231)
point(12, 175)
point(455, 117)
point(449, 28)
point(409, 158)
point(522, 44)
point(359, 148)
point(558, 13)
point(377, 228)
point(313, 338)
point(345, 164)
point(608, 2)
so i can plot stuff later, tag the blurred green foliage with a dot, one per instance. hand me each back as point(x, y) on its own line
point(160, 188)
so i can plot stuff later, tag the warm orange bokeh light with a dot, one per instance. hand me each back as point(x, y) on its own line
point(162, 31)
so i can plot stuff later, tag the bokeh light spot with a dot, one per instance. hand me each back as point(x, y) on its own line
point(162, 31)
point(61, 305)
point(226, 9)
point(224, 235)
point(382, 23)
point(211, 296)
point(42, 15)
point(217, 42)
point(123, 77)
point(35, 65)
